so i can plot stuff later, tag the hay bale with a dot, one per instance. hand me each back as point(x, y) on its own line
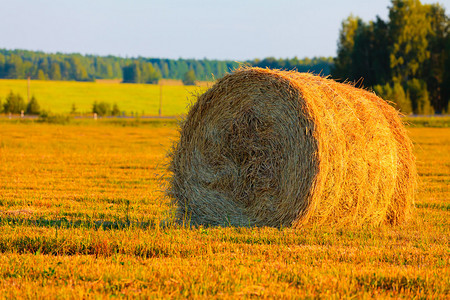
point(274, 148)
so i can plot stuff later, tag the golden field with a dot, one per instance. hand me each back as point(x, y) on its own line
point(82, 214)
point(141, 99)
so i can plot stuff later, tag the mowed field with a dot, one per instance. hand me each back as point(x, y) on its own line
point(82, 215)
point(141, 99)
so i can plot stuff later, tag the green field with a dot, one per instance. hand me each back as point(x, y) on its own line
point(82, 215)
point(142, 99)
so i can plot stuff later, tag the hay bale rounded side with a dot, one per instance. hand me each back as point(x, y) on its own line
point(274, 148)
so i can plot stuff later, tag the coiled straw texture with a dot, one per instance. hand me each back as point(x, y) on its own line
point(274, 148)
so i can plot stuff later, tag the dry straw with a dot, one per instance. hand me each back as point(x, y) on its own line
point(273, 148)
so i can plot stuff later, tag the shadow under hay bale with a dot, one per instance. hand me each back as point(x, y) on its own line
point(274, 148)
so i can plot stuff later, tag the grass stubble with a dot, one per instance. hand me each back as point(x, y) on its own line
point(81, 208)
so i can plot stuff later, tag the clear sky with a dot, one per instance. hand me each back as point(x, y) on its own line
point(215, 29)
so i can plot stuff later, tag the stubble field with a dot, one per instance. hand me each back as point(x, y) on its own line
point(82, 215)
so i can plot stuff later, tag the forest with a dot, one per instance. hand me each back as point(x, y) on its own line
point(405, 59)
point(20, 64)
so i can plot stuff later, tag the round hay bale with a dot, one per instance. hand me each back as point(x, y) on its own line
point(274, 148)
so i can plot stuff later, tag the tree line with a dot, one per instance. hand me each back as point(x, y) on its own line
point(405, 59)
point(20, 64)
point(316, 65)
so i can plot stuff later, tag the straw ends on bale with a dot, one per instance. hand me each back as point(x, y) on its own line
point(275, 148)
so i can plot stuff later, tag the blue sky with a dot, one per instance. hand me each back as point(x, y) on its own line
point(215, 29)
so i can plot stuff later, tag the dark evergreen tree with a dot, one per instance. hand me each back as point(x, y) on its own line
point(446, 77)
point(433, 70)
point(131, 74)
point(33, 107)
